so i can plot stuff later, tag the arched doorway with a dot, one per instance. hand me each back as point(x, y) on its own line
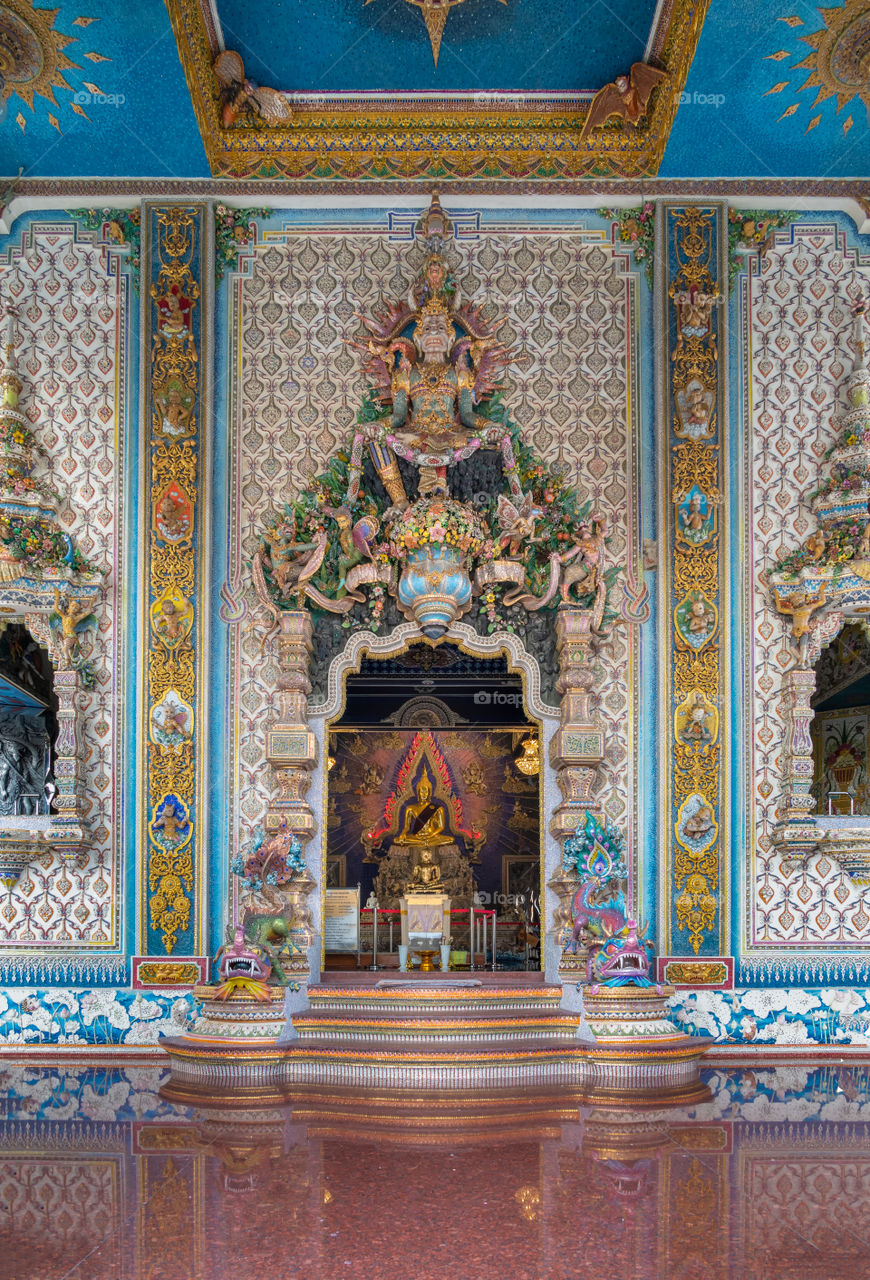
point(28, 725)
point(454, 725)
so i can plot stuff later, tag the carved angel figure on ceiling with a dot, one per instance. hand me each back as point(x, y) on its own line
point(626, 97)
point(240, 95)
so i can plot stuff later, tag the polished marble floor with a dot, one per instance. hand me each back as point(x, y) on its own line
point(764, 1174)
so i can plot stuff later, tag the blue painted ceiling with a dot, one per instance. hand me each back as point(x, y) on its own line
point(533, 45)
point(748, 109)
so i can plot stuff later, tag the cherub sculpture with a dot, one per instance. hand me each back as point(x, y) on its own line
point(239, 94)
point(626, 97)
point(517, 524)
point(292, 563)
point(800, 607)
point(817, 545)
point(585, 560)
point(354, 540)
point(71, 615)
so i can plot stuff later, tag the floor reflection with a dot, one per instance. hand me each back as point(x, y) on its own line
point(761, 1173)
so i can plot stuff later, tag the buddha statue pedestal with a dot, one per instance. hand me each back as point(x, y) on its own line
point(425, 921)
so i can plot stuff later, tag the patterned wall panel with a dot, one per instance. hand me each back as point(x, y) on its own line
point(795, 333)
point(56, 1209)
point(72, 322)
point(572, 309)
point(803, 1206)
point(173, 616)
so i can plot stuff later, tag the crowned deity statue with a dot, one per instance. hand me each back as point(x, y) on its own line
point(432, 392)
point(431, 362)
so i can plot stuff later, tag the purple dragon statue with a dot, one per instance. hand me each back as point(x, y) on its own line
point(617, 954)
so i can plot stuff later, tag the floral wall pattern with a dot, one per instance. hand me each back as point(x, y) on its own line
point(796, 325)
point(572, 311)
point(72, 319)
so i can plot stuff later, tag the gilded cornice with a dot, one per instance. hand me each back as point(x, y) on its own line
point(444, 145)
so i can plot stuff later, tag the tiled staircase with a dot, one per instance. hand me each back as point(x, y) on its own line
point(455, 1032)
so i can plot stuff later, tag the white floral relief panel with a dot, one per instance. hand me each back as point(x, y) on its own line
point(571, 313)
point(71, 322)
point(799, 331)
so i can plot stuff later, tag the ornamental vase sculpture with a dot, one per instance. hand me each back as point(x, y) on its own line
point(434, 588)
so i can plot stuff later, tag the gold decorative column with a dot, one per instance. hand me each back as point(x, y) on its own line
point(693, 603)
point(176, 240)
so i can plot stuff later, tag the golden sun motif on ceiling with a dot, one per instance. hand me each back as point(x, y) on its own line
point(838, 64)
point(32, 57)
point(435, 14)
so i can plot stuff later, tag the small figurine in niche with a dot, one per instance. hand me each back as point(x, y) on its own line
point(694, 310)
point(700, 617)
point(170, 623)
point(173, 516)
point(695, 518)
point(695, 730)
point(698, 414)
point(175, 310)
point(426, 876)
point(176, 409)
point(699, 824)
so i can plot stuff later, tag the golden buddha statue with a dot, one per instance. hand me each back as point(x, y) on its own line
point(424, 819)
point(426, 876)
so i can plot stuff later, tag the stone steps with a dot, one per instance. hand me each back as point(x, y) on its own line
point(449, 1034)
point(434, 1033)
point(465, 1027)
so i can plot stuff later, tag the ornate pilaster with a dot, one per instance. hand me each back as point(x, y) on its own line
point(796, 834)
point(694, 695)
point(576, 751)
point(174, 622)
point(67, 765)
point(291, 748)
point(577, 747)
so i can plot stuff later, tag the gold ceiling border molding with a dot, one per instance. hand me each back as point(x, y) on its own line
point(429, 144)
point(31, 193)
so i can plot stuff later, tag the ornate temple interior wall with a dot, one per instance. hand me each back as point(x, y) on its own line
point(278, 306)
point(77, 327)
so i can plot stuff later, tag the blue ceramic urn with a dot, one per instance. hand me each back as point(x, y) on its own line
point(435, 587)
